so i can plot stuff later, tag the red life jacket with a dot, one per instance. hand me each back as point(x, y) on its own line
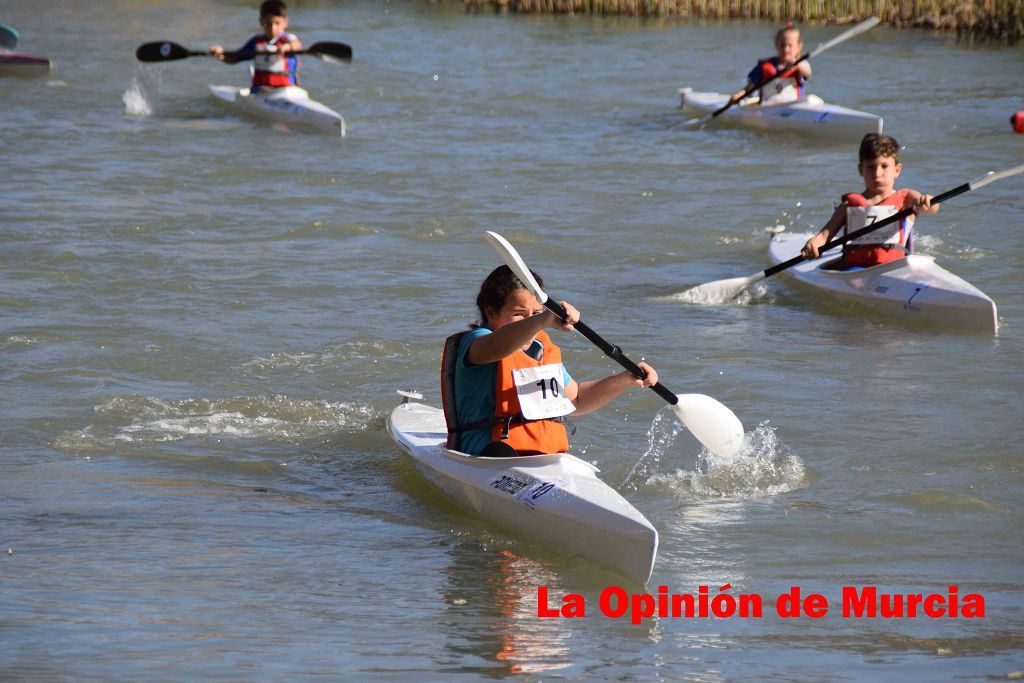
point(790, 78)
point(270, 69)
point(884, 245)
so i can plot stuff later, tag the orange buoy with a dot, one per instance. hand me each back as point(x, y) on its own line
point(1017, 120)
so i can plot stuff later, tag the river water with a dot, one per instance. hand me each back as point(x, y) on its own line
point(203, 321)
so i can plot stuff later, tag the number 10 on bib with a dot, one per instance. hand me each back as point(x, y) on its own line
point(540, 391)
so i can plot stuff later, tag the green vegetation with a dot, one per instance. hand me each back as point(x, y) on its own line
point(998, 19)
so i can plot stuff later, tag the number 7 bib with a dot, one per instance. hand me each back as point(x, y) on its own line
point(540, 391)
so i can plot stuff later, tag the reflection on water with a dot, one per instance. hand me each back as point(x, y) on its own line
point(493, 609)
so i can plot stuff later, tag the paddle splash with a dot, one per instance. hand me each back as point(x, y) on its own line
point(763, 467)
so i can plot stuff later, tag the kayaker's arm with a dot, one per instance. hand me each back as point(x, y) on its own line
point(921, 203)
point(246, 52)
point(592, 395)
point(229, 57)
point(293, 45)
point(804, 68)
point(509, 338)
point(838, 220)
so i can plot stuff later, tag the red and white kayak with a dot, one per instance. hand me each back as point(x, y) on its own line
point(555, 500)
point(22, 65)
point(290, 106)
point(914, 288)
point(809, 114)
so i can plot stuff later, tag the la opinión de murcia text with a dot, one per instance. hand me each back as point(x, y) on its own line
point(856, 602)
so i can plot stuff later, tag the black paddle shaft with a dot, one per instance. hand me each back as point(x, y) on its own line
point(751, 88)
point(949, 194)
point(612, 351)
point(166, 51)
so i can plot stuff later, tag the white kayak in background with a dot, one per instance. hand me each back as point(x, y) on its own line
point(912, 288)
point(809, 114)
point(22, 65)
point(291, 105)
point(553, 500)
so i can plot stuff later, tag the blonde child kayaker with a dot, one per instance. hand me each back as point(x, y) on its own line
point(272, 66)
point(504, 387)
point(789, 86)
point(879, 166)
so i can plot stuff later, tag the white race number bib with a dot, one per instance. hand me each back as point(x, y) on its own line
point(858, 217)
point(540, 390)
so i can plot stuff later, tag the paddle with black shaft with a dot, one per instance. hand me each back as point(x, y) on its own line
point(164, 51)
point(8, 37)
point(713, 424)
point(863, 26)
point(723, 290)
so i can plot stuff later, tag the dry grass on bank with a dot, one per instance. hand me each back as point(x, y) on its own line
point(997, 19)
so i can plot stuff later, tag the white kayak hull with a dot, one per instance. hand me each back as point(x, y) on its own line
point(914, 288)
point(807, 115)
point(22, 65)
point(554, 500)
point(291, 106)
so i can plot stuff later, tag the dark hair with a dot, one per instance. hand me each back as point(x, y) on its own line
point(874, 145)
point(273, 8)
point(496, 287)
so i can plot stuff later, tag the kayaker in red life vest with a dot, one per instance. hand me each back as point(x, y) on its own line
point(504, 388)
point(272, 67)
point(879, 166)
point(789, 86)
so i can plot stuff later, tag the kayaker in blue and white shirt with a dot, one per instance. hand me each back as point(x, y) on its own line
point(272, 66)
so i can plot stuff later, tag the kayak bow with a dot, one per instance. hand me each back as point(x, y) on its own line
point(291, 105)
point(914, 288)
point(554, 500)
point(807, 115)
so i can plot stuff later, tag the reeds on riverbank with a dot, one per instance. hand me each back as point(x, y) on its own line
point(998, 19)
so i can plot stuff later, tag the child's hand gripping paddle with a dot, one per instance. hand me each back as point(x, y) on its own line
point(709, 421)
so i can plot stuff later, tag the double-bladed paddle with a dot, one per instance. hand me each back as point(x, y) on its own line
point(723, 290)
point(164, 51)
point(713, 424)
point(863, 26)
point(8, 37)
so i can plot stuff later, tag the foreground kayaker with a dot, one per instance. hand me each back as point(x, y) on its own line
point(272, 67)
point(789, 76)
point(879, 166)
point(504, 387)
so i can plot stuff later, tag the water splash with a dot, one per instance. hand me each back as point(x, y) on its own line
point(757, 293)
point(141, 96)
point(146, 420)
point(765, 466)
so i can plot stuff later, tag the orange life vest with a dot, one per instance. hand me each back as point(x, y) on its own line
point(526, 436)
point(508, 425)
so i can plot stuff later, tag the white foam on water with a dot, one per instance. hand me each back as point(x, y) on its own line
point(148, 420)
point(141, 96)
point(757, 293)
point(307, 361)
point(765, 466)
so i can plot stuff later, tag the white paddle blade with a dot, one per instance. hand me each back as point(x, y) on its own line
point(863, 26)
point(711, 423)
point(511, 258)
point(993, 176)
point(721, 291)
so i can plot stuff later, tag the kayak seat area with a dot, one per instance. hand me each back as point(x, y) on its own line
point(499, 449)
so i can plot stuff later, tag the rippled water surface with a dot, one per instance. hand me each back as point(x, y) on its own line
point(203, 321)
